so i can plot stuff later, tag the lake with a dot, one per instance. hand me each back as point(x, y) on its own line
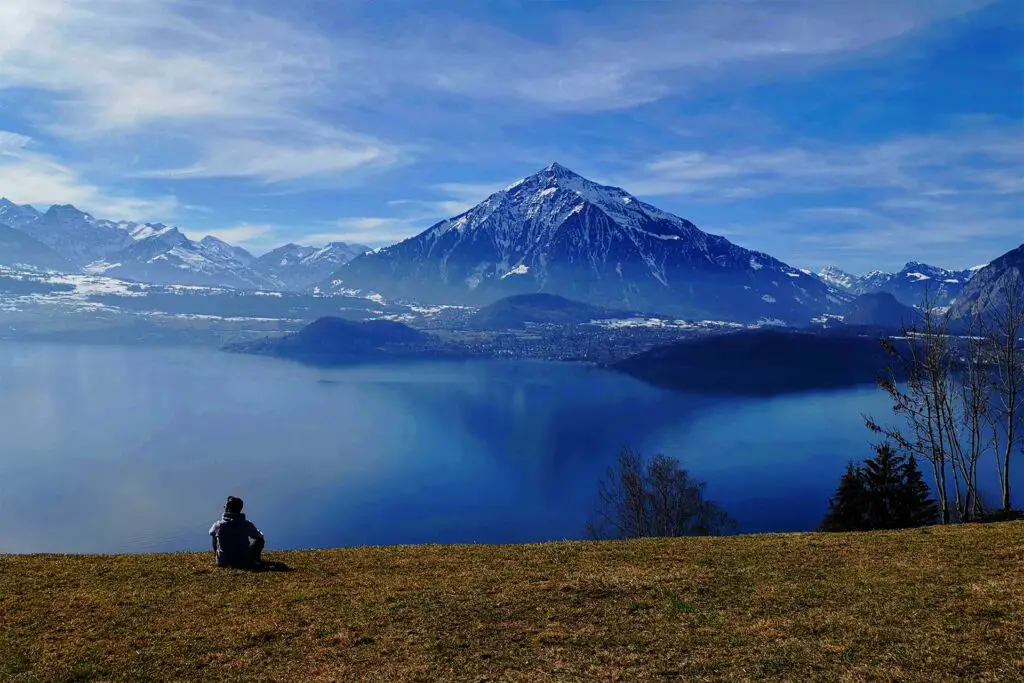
point(134, 449)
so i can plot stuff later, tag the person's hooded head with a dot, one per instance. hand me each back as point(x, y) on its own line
point(233, 506)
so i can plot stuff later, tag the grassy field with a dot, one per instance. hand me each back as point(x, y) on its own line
point(932, 604)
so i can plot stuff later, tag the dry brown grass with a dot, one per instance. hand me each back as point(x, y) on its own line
point(920, 605)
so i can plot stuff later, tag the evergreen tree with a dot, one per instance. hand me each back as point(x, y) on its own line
point(883, 480)
point(914, 506)
point(888, 492)
point(848, 507)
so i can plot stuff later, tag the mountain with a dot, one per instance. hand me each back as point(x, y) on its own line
point(515, 312)
point(558, 233)
point(909, 285)
point(835, 277)
point(762, 362)
point(879, 309)
point(297, 267)
point(17, 248)
point(223, 250)
point(77, 236)
point(989, 284)
point(16, 216)
point(148, 252)
point(163, 255)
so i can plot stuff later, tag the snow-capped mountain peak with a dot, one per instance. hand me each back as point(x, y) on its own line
point(297, 266)
point(910, 285)
point(837, 277)
point(223, 250)
point(534, 209)
point(558, 232)
point(155, 252)
point(16, 215)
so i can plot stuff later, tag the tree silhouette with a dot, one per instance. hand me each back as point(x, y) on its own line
point(659, 499)
point(888, 492)
point(848, 507)
point(915, 506)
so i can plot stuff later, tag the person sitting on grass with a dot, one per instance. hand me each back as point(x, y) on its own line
point(232, 534)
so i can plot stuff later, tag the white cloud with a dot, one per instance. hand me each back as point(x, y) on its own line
point(985, 161)
point(939, 198)
point(117, 64)
point(369, 230)
point(455, 199)
point(272, 162)
point(242, 234)
point(28, 177)
point(223, 91)
point(631, 54)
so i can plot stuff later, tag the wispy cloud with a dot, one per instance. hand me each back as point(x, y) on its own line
point(119, 64)
point(272, 162)
point(619, 56)
point(244, 234)
point(231, 88)
point(368, 230)
point(987, 161)
point(940, 197)
point(29, 177)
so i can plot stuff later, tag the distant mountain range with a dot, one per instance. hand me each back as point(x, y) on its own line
point(553, 233)
point(298, 267)
point(910, 286)
point(68, 240)
point(556, 232)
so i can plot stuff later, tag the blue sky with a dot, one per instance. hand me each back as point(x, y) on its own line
point(857, 133)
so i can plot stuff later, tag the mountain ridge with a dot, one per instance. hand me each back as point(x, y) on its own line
point(910, 285)
point(987, 289)
point(556, 232)
point(151, 252)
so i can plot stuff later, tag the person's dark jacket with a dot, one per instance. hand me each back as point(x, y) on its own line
point(231, 534)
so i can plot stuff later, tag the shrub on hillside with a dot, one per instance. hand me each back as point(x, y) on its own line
point(656, 499)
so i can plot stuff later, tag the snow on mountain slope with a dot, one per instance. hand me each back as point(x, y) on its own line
point(831, 275)
point(297, 267)
point(222, 249)
point(147, 252)
point(16, 216)
point(77, 236)
point(165, 256)
point(909, 286)
point(559, 233)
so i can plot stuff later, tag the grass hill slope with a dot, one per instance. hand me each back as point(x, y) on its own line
point(918, 605)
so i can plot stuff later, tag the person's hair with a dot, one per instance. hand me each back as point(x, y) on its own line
point(234, 505)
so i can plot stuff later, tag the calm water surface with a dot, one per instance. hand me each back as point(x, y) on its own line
point(120, 449)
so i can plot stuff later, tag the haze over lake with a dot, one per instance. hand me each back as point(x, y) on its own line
point(132, 449)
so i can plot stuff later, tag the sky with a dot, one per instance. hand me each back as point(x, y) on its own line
point(856, 133)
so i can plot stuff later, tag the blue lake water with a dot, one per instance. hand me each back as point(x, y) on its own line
point(131, 449)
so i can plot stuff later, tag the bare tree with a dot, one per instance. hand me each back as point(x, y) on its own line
point(660, 499)
point(969, 414)
point(960, 397)
point(941, 396)
point(1003, 354)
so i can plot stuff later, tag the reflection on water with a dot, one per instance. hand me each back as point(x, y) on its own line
point(108, 449)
